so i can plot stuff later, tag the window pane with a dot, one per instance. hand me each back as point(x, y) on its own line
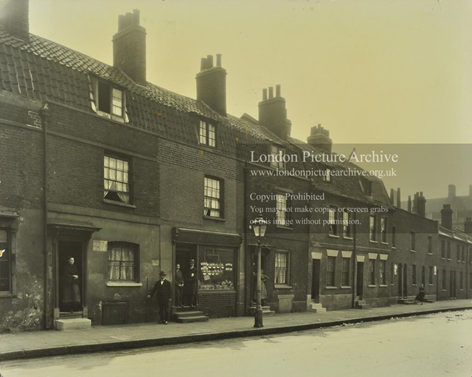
point(216, 269)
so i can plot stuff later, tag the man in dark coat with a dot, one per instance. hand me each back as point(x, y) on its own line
point(192, 281)
point(70, 287)
point(163, 291)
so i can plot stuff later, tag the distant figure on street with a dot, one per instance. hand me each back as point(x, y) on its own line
point(179, 286)
point(192, 281)
point(264, 278)
point(420, 296)
point(70, 289)
point(162, 289)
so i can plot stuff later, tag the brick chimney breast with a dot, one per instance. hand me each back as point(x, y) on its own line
point(273, 112)
point(211, 84)
point(14, 17)
point(129, 47)
point(446, 216)
point(319, 137)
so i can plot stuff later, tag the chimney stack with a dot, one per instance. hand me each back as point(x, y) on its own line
point(273, 113)
point(211, 84)
point(451, 192)
point(14, 17)
point(319, 138)
point(399, 201)
point(446, 216)
point(421, 205)
point(409, 203)
point(129, 47)
point(468, 226)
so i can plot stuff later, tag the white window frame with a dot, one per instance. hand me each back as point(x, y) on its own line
point(207, 134)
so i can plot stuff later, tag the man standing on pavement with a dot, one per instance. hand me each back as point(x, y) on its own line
point(162, 290)
point(179, 286)
point(192, 281)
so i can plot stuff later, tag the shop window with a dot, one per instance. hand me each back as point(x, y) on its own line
point(372, 228)
point(277, 157)
point(281, 268)
point(330, 272)
point(383, 229)
point(443, 249)
point(412, 241)
point(5, 262)
point(382, 272)
point(413, 274)
point(347, 226)
point(116, 179)
point(372, 271)
point(207, 134)
point(122, 261)
point(332, 221)
point(431, 275)
point(345, 272)
point(216, 269)
point(282, 215)
point(213, 197)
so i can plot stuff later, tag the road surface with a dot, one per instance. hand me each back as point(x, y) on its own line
point(432, 345)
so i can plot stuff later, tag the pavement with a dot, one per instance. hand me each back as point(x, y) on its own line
point(108, 338)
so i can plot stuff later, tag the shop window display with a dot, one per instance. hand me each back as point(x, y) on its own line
point(216, 269)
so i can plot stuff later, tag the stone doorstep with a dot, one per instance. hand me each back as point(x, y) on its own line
point(317, 308)
point(73, 324)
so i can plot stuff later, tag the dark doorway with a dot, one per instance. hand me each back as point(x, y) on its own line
point(400, 280)
point(184, 253)
point(315, 284)
point(405, 280)
point(360, 280)
point(72, 249)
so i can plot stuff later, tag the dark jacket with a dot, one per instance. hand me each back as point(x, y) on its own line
point(179, 277)
point(162, 291)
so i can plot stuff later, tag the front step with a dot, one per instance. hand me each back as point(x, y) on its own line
point(362, 304)
point(265, 311)
point(63, 324)
point(316, 308)
point(188, 315)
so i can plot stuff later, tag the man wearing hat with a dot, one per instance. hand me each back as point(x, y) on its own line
point(162, 290)
point(192, 281)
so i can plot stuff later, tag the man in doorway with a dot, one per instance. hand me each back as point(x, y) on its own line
point(192, 280)
point(162, 290)
point(179, 286)
point(70, 289)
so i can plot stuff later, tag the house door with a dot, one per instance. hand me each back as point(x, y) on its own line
point(183, 255)
point(360, 280)
point(71, 288)
point(315, 285)
point(405, 281)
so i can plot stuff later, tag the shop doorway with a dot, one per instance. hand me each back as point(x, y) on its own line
point(183, 255)
point(315, 285)
point(360, 280)
point(69, 299)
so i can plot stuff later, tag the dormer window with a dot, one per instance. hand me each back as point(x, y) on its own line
point(107, 100)
point(207, 134)
point(366, 185)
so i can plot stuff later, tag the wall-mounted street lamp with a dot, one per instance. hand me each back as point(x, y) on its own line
point(259, 226)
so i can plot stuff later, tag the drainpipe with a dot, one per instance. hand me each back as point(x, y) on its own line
point(354, 267)
point(45, 118)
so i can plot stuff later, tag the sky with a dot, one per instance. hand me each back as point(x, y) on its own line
point(370, 71)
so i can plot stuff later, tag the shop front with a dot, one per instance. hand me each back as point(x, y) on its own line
point(212, 284)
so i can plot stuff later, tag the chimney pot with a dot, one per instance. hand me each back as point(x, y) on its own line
point(136, 16)
point(210, 61)
point(218, 60)
point(128, 19)
point(278, 90)
point(409, 203)
point(264, 94)
point(271, 92)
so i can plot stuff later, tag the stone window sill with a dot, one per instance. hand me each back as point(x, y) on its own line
point(346, 287)
point(384, 243)
point(282, 286)
point(333, 236)
point(123, 284)
point(214, 218)
point(372, 286)
point(108, 201)
point(373, 241)
point(331, 287)
point(348, 238)
point(7, 295)
point(413, 251)
point(394, 247)
point(383, 285)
